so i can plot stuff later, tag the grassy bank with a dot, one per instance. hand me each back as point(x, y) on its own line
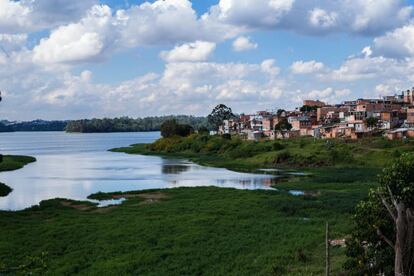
point(206, 230)
point(188, 231)
point(302, 153)
point(4, 189)
point(11, 163)
point(209, 231)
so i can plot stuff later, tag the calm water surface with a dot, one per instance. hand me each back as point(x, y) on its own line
point(77, 165)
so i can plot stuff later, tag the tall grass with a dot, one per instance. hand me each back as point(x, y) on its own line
point(209, 231)
point(294, 153)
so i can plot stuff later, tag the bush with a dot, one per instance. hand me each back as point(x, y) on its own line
point(282, 157)
point(278, 146)
point(166, 144)
point(203, 130)
point(340, 154)
point(213, 145)
point(4, 190)
point(396, 153)
point(171, 128)
point(184, 130)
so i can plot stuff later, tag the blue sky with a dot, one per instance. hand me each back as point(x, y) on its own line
point(284, 46)
point(79, 59)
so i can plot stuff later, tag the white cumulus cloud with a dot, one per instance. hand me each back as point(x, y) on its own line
point(320, 18)
point(328, 95)
point(243, 43)
point(306, 67)
point(76, 42)
point(28, 15)
point(268, 66)
point(362, 17)
point(196, 51)
point(398, 43)
point(251, 13)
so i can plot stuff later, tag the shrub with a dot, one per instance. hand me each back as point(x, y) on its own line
point(277, 146)
point(166, 144)
point(301, 256)
point(282, 156)
point(171, 128)
point(203, 130)
point(213, 145)
point(396, 154)
point(184, 130)
point(4, 190)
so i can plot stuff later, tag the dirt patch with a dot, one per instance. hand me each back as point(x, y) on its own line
point(80, 207)
point(313, 193)
point(338, 243)
point(155, 195)
point(104, 210)
point(149, 198)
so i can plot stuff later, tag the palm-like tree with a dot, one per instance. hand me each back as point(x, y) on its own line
point(372, 122)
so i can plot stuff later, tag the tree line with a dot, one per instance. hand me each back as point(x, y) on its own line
point(126, 124)
point(36, 125)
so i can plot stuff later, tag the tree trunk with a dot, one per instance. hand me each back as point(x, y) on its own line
point(403, 241)
point(403, 218)
point(327, 261)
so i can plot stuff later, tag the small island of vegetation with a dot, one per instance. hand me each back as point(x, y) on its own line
point(11, 163)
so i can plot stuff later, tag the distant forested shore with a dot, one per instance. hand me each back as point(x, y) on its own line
point(122, 124)
point(126, 124)
point(36, 125)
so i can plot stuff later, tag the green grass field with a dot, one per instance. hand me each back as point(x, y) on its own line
point(11, 163)
point(188, 231)
point(209, 231)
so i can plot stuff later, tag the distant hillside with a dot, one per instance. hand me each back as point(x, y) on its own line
point(126, 124)
point(36, 125)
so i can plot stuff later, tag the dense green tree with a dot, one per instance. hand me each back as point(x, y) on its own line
point(184, 130)
point(308, 108)
point(171, 128)
point(372, 122)
point(383, 239)
point(279, 112)
point(283, 126)
point(203, 130)
point(219, 114)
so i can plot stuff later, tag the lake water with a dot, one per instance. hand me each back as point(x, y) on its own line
point(76, 165)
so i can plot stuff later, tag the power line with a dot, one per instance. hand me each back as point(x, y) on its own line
point(4, 51)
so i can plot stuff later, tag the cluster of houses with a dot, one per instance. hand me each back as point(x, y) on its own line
point(391, 116)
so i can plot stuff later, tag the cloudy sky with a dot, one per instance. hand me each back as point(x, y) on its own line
point(65, 59)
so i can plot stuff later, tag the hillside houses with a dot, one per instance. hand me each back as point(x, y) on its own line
point(392, 116)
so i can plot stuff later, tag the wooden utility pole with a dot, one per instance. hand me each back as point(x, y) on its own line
point(1, 155)
point(327, 261)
